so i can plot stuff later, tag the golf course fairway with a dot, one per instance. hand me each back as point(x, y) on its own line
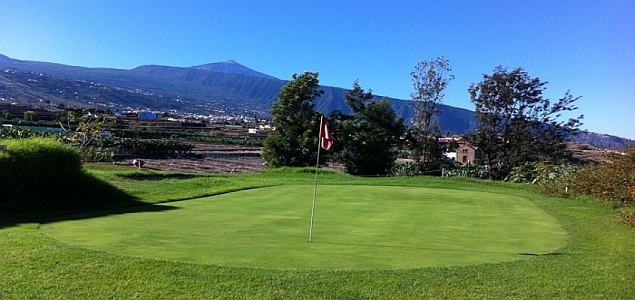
point(356, 227)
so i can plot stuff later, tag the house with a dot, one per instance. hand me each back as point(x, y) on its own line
point(147, 115)
point(467, 153)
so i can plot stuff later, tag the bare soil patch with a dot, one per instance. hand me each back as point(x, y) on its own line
point(206, 158)
point(206, 165)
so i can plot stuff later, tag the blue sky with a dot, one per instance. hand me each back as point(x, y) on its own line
point(587, 47)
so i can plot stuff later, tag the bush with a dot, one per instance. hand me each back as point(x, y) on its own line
point(44, 175)
point(540, 173)
point(613, 180)
point(466, 170)
point(407, 169)
point(627, 215)
point(36, 162)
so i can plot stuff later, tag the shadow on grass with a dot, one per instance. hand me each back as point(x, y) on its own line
point(83, 197)
point(534, 254)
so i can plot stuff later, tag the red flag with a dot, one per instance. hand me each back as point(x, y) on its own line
point(326, 139)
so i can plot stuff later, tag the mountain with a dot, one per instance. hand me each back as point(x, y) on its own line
point(232, 67)
point(38, 89)
point(227, 88)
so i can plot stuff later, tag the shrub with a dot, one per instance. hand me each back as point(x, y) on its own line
point(613, 180)
point(466, 170)
point(42, 161)
point(406, 169)
point(540, 173)
point(44, 174)
point(627, 215)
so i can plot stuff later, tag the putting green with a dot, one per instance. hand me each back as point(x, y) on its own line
point(355, 227)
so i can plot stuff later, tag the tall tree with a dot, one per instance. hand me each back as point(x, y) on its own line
point(429, 80)
point(296, 122)
point(518, 125)
point(367, 137)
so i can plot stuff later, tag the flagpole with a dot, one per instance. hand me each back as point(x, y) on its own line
point(317, 162)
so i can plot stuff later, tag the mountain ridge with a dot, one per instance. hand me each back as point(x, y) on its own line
point(212, 86)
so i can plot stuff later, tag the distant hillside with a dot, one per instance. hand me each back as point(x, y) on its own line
point(43, 90)
point(226, 87)
point(603, 141)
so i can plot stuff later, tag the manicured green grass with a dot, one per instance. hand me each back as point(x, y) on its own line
point(597, 261)
point(357, 227)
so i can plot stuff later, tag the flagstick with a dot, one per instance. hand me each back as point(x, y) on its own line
point(317, 162)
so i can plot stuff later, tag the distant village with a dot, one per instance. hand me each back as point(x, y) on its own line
point(229, 125)
point(233, 125)
point(222, 125)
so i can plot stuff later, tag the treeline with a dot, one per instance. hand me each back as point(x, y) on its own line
point(516, 126)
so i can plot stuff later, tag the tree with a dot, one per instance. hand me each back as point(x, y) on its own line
point(516, 124)
point(366, 138)
point(296, 122)
point(31, 116)
point(6, 115)
point(429, 80)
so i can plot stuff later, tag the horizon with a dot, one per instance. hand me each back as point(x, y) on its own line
point(588, 49)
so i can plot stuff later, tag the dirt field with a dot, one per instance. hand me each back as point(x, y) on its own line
point(214, 159)
point(206, 165)
point(209, 158)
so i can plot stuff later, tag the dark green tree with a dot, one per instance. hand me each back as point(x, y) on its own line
point(6, 115)
point(366, 139)
point(31, 116)
point(451, 146)
point(296, 122)
point(429, 80)
point(516, 124)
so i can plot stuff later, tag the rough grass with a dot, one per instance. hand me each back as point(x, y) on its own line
point(596, 263)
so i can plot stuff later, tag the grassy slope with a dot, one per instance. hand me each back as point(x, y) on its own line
point(598, 261)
